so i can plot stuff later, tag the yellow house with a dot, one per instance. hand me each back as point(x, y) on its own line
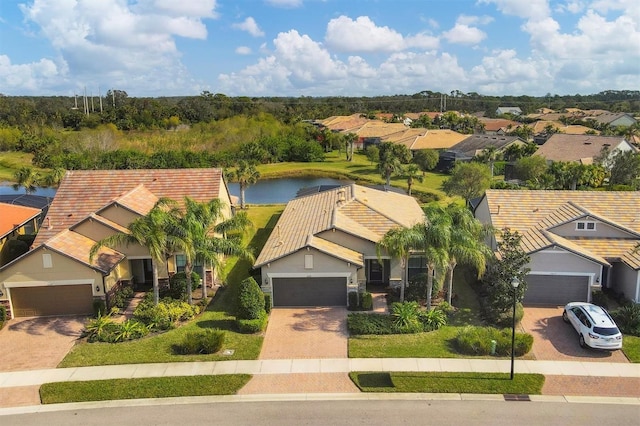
point(57, 277)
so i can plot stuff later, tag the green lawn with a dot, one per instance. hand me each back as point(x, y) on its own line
point(156, 387)
point(11, 162)
point(444, 382)
point(631, 347)
point(160, 347)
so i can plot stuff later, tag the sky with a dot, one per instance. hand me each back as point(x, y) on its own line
point(318, 47)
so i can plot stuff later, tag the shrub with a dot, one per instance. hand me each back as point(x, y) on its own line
point(100, 329)
point(3, 316)
point(353, 300)
point(627, 318)
point(505, 319)
point(477, 341)
point(599, 298)
point(178, 285)
point(129, 330)
point(267, 303)
point(99, 307)
point(433, 319)
point(406, 317)
point(360, 324)
point(250, 300)
point(202, 342)
point(121, 297)
point(250, 326)
point(165, 314)
point(366, 301)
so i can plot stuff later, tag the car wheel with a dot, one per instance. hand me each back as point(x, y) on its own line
point(582, 342)
point(565, 318)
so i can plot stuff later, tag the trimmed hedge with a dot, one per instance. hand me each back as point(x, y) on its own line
point(250, 326)
point(477, 341)
point(371, 324)
point(251, 303)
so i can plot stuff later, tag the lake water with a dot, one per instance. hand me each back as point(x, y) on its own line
point(267, 191)
point(278, 191)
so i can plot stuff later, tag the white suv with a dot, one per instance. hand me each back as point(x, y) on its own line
point(595, 327)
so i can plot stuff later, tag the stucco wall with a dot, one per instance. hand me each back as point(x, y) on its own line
point(360, 245)
point(625, 280)
point(119, 215)
point(603, 230)
point(294, 263)
point(559, 260)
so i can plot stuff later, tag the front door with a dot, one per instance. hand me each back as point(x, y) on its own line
point(378, 271)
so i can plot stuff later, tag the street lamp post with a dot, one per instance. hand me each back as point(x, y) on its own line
point(515, 282)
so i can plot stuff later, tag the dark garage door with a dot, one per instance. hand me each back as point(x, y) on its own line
point(314, 291)
point(55, 300)
point(556, 290)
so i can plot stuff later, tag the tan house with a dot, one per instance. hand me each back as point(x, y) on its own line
point(578, 240)
point(15, 221)
point(581, 148)
point(56, 277)
point(324, 245)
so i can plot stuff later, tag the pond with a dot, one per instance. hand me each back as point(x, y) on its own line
point(279, 191)
point(267, 191)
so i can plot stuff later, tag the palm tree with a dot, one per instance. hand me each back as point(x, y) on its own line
point(149, 231)
point(412, 172)
point(200, 233)
point(245, 174)
point(466, 245)
point(392, 157)
point(398, 242)
point(54, 177)
point(26, 178)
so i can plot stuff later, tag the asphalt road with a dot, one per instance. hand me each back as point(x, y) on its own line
point(372, 412)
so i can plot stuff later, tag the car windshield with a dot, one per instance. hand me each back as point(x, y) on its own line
point(606, 331)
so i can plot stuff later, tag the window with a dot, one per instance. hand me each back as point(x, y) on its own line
point(585, 226)
point(181, 261)
point(417, 265)
point(308, 261)
point(47, 262)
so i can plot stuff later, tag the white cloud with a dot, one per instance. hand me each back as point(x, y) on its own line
point(116, 43)
point(529, 9)
point(474, 20)
point(32, 78)
point(464, 34)
point(243, 50)
point(251, 26)
point(361, 35)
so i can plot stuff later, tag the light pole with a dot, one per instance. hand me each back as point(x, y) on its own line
point(515, 282)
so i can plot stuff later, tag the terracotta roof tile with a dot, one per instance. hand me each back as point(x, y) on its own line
point(561, 147)
point(12, 216)
point(78, 247)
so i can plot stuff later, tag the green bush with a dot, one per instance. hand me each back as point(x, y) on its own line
point(99, 307)
point(267, 303)
point(100, 329)
point(178, 285)
point(353, 301)
point(121, 297)
point(165, 314)
point(129, 330)
point(433, 319)
point(505, 319)
point(3, 316)
point(627, 318)
point(250, 300)
point(406, 317)
point(250, 326)
point(360, 324)
point(477, 341)
point(366, 301)
point(599, 298)
point(201, 342)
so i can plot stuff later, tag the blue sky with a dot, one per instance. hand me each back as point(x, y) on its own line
point(318, 47)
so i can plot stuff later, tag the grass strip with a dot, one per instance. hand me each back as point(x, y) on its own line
point(631, 347)
point(448, 382)
point(153, 387)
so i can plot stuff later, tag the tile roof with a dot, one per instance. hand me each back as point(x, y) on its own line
point(437, 139)
point(379, 129)
point(77, 247)
point(474, 144)
point(139, 200)
point(535, 214)
point(495, 124)
point(13, 216)
point(357, 210)
point(583, 148)
point(83, 192)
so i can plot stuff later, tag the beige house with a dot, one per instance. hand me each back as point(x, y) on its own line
point(56, 277)
point(324, 245)
point(581, 148)
point(578, 240)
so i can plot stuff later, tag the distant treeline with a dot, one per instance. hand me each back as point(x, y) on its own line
point(131, 113)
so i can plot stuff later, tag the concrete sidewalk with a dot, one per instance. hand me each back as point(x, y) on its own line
point(337, 365)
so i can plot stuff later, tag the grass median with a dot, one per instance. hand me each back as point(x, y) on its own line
point(448, 382)
point(154, 387)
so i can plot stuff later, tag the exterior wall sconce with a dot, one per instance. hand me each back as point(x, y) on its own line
point(266, 281)
point(97, 289)
point(598, 280)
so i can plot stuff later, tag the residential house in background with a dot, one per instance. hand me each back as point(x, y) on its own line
point(56, 277)
point(324, 245)
point(497, 126)
point(581, 148)
point(612, 119)
point(16, 222)
point(578, 241)
point(474, 145)
point(508, 110)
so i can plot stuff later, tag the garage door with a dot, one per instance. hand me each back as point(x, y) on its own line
point(310, 291)
point(54, 300)
point(556, 289)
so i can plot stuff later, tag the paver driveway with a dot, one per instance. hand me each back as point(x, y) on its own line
point(306, 333)
point(37, 343)
point(556, 341)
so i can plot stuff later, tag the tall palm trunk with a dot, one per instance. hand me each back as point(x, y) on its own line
point(405, 271)
point(187, 270)
point(452, 266)
point(430, 270)
point(156, 285)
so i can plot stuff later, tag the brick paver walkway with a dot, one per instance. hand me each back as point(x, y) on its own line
point(592, 386)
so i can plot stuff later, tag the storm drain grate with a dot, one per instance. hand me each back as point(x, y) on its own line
point(512, 397)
